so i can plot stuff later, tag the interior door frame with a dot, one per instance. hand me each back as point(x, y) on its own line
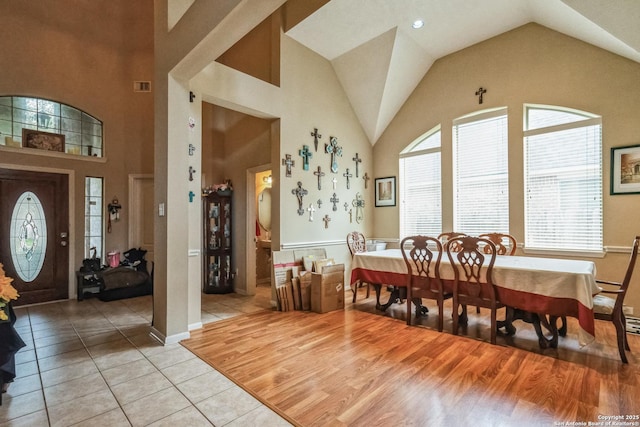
point(71, 174)
point(135, 213)
point(250, 264)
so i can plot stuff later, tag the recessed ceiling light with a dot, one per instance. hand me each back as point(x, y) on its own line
point(418, 24)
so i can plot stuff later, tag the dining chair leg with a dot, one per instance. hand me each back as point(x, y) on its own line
point(626, 340)
point(494, 325)
point(440, 315)
point(620, 332)
point(368, 289)
point(455, 318)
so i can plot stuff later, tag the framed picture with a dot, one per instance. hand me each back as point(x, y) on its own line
point(42, 140)
point(625, 170)
point(386, 191)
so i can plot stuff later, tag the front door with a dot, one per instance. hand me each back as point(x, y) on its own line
point(34, 218)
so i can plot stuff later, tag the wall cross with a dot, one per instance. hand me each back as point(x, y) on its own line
point(347, 175)
point(335, 150)
point(289, 163)
point(335, 201)
point(319, 174)
point(357, 160)
point(366, 179)
point(311, 210)
point(326, 220)
point(306, 155)
point(299, 193)
point(480, 92)
point(316, 136)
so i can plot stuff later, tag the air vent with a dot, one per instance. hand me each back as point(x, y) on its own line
point(142, 86)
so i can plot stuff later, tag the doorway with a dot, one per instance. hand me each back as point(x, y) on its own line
point(34, 219)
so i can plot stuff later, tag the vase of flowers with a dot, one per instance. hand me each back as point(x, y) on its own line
point(7, 293)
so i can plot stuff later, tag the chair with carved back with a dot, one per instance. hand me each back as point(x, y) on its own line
point(423, 279)
point(611, 308)
point(357, 243)
point(505, 243)
point(473, 278)
point(445, 237)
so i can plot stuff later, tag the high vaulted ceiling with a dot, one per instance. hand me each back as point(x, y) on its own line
point(380, 59)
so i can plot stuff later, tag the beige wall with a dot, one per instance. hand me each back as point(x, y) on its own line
point(86, 54)
point(531, 64)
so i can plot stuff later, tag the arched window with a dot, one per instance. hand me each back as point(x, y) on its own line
point(420, 186)
point(563, 179)
point(82, 132)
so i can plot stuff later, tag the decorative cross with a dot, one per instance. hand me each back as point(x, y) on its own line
point(288, 163)
point(350, 216)
point(335, 181)
point(481, 92)
point(311, 210)
point(347, 175)
point(326, 220)
point(319, 174)
point(358, 203)
point(357, 160)
point(333, 149)
point(191, 172)
point(346, 206)
point(366, 179)
point(306, 155)
point(299, 193)
point(319, 203)
point(335, 201)
point(316, 136)
point(192, 148)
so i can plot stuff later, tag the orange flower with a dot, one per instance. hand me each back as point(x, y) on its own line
point(7, 293)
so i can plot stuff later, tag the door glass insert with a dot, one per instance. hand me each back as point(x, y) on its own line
point(28, 240)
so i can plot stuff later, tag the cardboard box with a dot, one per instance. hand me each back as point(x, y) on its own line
point(304, 281)
point(327, 289)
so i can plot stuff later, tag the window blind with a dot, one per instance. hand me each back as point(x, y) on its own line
point(420, 188)
point(563, 185)
point(480, 173)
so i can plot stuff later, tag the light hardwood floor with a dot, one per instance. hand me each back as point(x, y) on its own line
point(360, 367)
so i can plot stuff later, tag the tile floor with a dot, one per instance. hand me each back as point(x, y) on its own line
point(93, 363)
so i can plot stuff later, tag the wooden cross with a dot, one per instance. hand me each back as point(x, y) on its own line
point(311, 210)
point(288, 162)
point(319, 174)
point(306, 155)
point(358, 203)
point(335, 181)
point(319, 203)
point(299, 193)
point(335, 201)
point(326, 220)
point(316, 136)
point(480, 92)
point(357, 160)
point(366, 179)
point(347, 175)
point(333, 149)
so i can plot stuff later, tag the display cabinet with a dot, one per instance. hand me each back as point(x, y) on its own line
point(217, 255)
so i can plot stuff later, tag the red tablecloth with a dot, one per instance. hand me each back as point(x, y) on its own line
point(540, 285)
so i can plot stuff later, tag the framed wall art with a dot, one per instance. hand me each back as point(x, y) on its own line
point(42, 140)
point(385, 191)
point(625, 170)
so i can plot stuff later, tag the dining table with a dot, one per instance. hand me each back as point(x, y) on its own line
point(553, 286)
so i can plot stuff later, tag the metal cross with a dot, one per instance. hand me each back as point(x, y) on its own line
point(333, 149)
point(288, 162)
point(481, 92)
point(357, 160)
point(319, 203)
point(335, 201)
point(319, 174)
point(191, 172)
point(347, 175)
point(311, 210)
point(306, 155)
point(350, 216)
point(316, 136)
point(358, 203)
point(366, 179)
point(299, 193)
point(326, 220)
point(346, 206)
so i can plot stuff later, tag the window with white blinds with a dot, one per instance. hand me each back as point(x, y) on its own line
point(420, 187)
point(563, 179)
point(480, 173)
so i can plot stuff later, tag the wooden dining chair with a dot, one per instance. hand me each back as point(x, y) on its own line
point(506, 244)
point(423, 278)
point(473, 278)
point(357, 243)
point(610, 308)
point(445, 237)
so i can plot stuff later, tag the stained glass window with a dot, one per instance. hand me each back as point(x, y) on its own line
point(28, 241)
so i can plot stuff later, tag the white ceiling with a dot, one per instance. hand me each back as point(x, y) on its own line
point(380, 59)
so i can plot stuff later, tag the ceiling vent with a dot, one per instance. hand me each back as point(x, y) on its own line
point(142, 86)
